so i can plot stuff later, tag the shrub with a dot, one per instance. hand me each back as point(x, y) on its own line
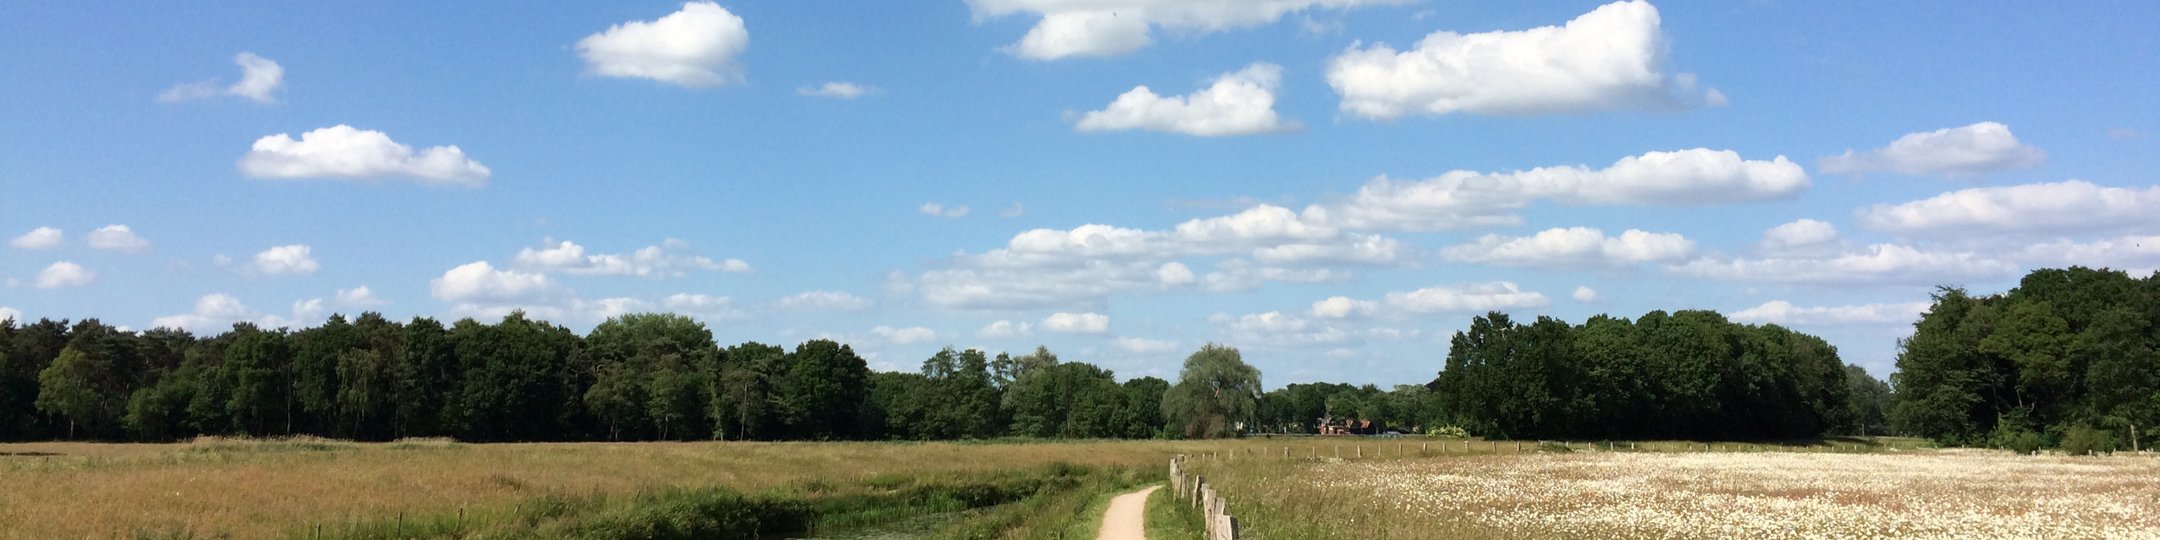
point(2082, 440)
point(2023, 442)
point(1448, 432)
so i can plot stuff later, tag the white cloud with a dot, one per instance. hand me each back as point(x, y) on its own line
point(694, 47)
point(1174, 273)
point(11, 314)
point(824, 301)
point(1585, 294)
point(2059, 207)
point(341, 151)
point(117, 238)
point(1077, 323)
point(1239, 103)
point(976, 285)
point(359, 297)
point(609, 308)
point(292, 259)
point(837, 90)
point(1272, 322)
point(1785, 313)
point(38, 238)
point(2137, 254)
point(1144, 346)
point(1574, 248)
point(1115, 27)
point(940, 210)
point(1610, 58)
point(1006, 329)
point(1471, 298)
point(1281, 329)
point(1467, 198)
point(1975, 149)
point(905, 336)
point(1343, 307)
point(701, 304)
point(212, 312)
point(480, 283)
point(1876, 264)
point(259, 79)
point(1799, 236)
point(1237, 275)
point(1013, 211)
point(64, 274)
point(650, 261)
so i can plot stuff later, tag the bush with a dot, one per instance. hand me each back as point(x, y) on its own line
point(2023, 442)
point(2082, 440)
point(1448, 432)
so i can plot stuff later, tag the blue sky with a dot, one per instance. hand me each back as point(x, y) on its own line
point(1333, 186)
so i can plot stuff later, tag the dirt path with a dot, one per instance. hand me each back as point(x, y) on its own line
point(1127, 517)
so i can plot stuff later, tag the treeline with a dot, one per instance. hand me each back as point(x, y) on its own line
point(1689, 374)
point(2067, 358)
point(635, 377)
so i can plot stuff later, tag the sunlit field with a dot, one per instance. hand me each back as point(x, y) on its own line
point(255, 489)
point(1755, 495)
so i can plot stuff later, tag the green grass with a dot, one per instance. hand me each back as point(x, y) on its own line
point(1169, 518)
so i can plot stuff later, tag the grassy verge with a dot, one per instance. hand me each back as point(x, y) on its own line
point(1050, 502)
point(1169, 518)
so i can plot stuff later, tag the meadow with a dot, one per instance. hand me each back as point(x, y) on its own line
point(1281, 488)
point(1755, 492)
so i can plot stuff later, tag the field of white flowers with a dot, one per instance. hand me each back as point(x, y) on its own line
point(1927, 494)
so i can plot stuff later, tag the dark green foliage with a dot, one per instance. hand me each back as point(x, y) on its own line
point(1690, 374)
point(2066, 348)
point(1217, 395)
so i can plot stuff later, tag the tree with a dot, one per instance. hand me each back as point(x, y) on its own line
point(1867, 405)
point(823, 390)
point(1215, 395)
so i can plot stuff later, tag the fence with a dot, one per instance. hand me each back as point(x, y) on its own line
point(1194, 490)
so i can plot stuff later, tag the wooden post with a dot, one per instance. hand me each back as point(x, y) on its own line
point(1518, 447)
point(401, 524)
point(1360, 452)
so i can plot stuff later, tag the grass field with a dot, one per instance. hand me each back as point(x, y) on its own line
point(1757, 495)
point(1379, 488)
point(256, 489)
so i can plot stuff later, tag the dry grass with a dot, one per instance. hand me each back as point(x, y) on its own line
point(253, 489)
point(1905, 494)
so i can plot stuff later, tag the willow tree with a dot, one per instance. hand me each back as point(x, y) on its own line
point(1216, 395)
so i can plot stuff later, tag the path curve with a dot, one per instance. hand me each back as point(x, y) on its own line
point(1127, 517)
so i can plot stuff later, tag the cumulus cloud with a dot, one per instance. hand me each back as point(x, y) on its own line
point(64, 274)
point(480, 283)
point(1282, 329)
point(940, 210)
point(665, 260)
point(1077, 323)
point(11, 314)
point(824, 301)
point(38, 238)
point(1970, 150)
point(2058, 207)
point(1116, 27)
point(693, 47)
point(702, 304)
point(117, 238)
point(1343, 307)
point(1006, 329)
point(1174, 273)
point(1799, 236)
point(291, 259)
point(1460, 199)
point(1144, 346)
point(1471, 298)
point(212, 312)
point(905, 336)
point(2137, 254)
point(1610, 58)
point(1875, 264)
point(1575, 247)
point(1238, 103)
point(260, 78)
point(1585, 294)
point(360, 298)
point(1785, 313)
point(341, 151)
point(837, 90)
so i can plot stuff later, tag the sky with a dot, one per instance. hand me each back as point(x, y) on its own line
point(1332, 186)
